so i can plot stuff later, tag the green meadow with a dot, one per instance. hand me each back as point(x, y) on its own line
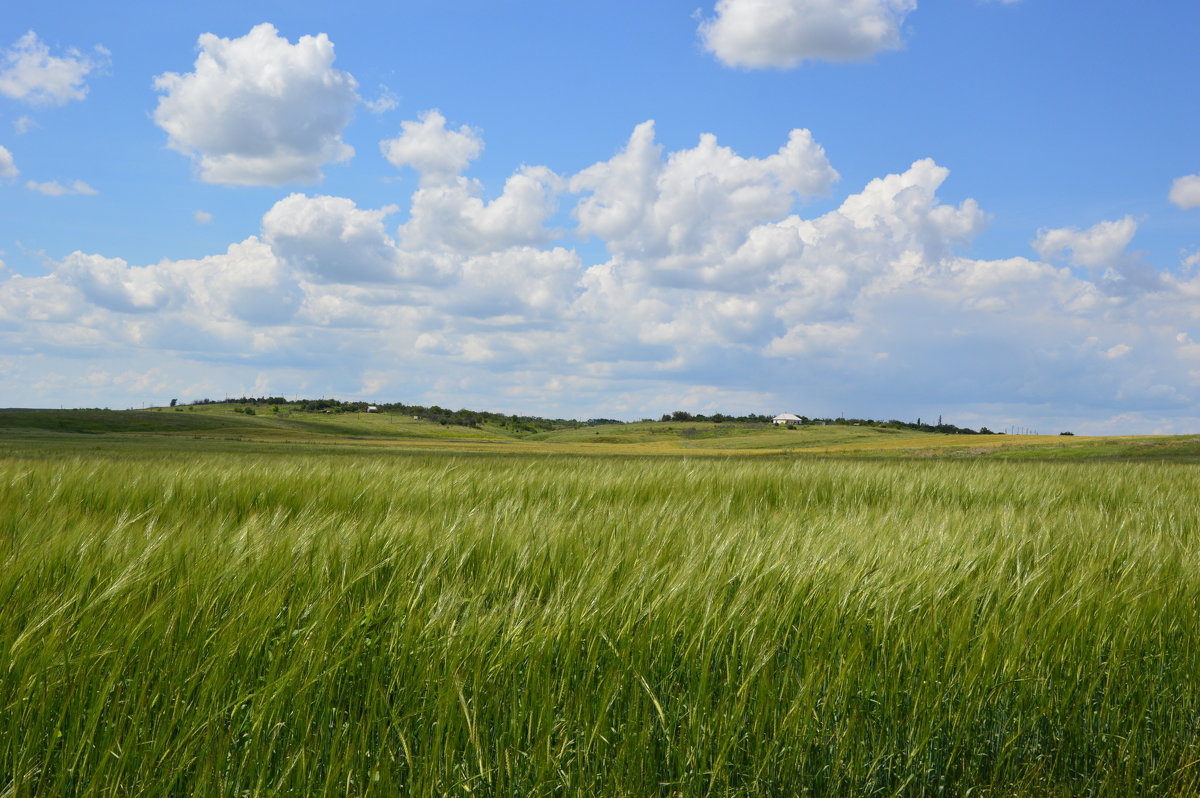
point(203, 603)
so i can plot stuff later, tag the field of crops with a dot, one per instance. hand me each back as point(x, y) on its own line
point(211, 623)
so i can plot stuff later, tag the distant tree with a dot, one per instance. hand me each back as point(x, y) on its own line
point(174, 402)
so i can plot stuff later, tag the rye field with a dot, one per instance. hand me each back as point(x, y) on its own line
point(260, 620)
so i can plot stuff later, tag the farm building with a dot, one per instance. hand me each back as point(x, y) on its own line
point(787, 418)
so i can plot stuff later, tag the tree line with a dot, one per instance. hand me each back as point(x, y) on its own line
point(531, 424)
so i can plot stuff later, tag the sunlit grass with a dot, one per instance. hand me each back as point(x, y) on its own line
point(212, 426)
point(441, 624)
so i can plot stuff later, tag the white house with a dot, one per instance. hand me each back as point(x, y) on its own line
point(787, 418)
point(372, 409)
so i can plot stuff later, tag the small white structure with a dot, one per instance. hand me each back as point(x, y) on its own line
point(787, 418)
point(372, 409)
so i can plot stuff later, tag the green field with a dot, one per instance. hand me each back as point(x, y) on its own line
point(223, 427)
point(203, 603)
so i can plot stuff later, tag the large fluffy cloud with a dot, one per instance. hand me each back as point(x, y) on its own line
point(28, 72)
point(699, 202)
point(452, 216)
point(783, 33)
point(331, 239)
point(784, 286)
point(350, 261)
point(112, 284)
point(246, 284)
point(258, 110)
point(448, 213)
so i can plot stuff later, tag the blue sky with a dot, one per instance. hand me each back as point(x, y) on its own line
point(984, 210)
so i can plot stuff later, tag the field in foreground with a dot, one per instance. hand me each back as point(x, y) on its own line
point(436, 624)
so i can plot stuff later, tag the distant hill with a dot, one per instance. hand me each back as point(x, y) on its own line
point(263, 425)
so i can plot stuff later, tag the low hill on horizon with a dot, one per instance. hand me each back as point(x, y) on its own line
point(241, 425)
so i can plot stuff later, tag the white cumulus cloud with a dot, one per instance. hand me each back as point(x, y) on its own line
point(717, 293)
point(247, 284)
point(452, 216)
point(785, 287)
point(519, 284)
point(331, 239)
point(186, 305)
point(699, 201)
point(258, 110)
point(783, 33)
point(436, 153)
point(29, 73)
point(1099, 246)
point(111, 283)
point(8, 168)
point(1185, 191)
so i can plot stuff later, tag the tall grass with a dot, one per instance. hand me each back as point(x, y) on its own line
point(536, 626)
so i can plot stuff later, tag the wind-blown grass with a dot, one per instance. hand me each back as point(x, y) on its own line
point(526, 626)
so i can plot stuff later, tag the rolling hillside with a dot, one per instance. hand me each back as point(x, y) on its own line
point(222, 424)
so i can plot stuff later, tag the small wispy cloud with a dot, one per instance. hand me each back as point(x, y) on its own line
point(202, 217)
point(53, 188)
point(387, 100)
point(28, 72)
point(1185, 192)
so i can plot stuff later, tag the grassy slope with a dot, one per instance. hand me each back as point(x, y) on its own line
point(209, 424)
point(217, 421)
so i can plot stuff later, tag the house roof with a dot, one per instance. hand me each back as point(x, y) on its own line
point(786, 417)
